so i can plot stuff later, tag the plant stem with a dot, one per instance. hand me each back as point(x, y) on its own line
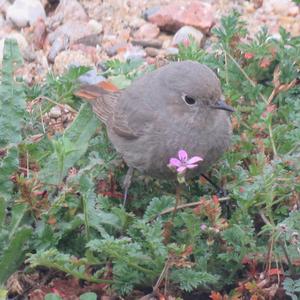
point(185, 205)
point(178, 194)
point(245, 75)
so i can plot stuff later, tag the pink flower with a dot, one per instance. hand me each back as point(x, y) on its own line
point(183, 162)
point(203, 227)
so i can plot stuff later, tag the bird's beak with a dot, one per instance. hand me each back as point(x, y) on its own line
point(222, 105)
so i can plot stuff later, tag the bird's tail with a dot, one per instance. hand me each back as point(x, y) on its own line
point(102, 96)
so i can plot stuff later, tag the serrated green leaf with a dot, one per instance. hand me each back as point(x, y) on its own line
point(12, 96)
point(13, 255)
point(70, 147)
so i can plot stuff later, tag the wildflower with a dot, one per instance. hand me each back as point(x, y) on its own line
point(248, 55)
point(203, 227)
point(186, 42)
point(182, 163)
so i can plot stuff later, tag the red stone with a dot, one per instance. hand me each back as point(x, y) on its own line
point(173, 16)
point(147, 31)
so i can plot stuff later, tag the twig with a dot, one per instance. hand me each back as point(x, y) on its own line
point(162, 275)
point(168, 210)
point(56, 103)
point(286, 254)
point(262, 215)
point(42, 120)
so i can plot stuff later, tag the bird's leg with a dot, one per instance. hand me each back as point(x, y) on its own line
point(127, 183)
point(220, 191)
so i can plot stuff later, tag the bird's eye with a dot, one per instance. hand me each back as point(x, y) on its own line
point(188, 100)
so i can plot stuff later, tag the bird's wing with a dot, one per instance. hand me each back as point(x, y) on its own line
point(130, 121)
point(117, 110)
point(102, 99)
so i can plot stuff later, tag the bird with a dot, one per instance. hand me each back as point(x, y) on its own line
point(177, 106)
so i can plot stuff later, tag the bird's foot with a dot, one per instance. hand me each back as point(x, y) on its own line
point(126, 184)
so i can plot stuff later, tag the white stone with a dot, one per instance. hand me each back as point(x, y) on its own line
point(55, 112)
point(184, 32)
point(24, 12)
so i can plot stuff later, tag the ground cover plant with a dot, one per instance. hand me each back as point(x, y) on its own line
point(62, 222)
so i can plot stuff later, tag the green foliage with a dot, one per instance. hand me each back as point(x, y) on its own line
point(13, 236)
point(292, 288)
point(69, 148)
point(189, 279)
point(72, 192)
point(12, 111)
point(62, 88)
point(66, 263)
point(12, 103)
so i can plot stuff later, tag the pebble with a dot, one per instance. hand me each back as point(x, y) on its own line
point(152, 52)
point(91, 77)
point(171, 51)
point(184, 34)
point(23, 12)
point(173, 16)
point(148, 43)
point(68, 10)
point(55, 112)
point(147, 31)
point(134, 52)
point(75, 30)
point(67, 58)
point(60, 44)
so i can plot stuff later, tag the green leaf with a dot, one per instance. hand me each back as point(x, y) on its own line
point(190, 279)
point(52, 296)
point(88, 296)
point(13, 255)
point(12, 96)
point(71, 147)
point(8, 165)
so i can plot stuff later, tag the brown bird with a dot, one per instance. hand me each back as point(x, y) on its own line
point(178, 106)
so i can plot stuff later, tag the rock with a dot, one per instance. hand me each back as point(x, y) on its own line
point(147, 43)
point(2, 21)
point(147, 31)
point(171, 51)
point(115, 49)
point(173, 16)
point(150, 11)
point(66, 11)
point(184, 34)
point(60, 44)
point(29, 55)
point(136, 23)
point(91, 77)
point(152, 52)
point(95, 26)
point(134, 52)
point(75, 30)
point(4, 5)
point(39, 34)
point(23, 12)
point(68, 58)
point(55, 112)
point(90, 40)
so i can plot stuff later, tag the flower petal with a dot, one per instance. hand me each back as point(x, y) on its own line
point(182, 155)
point(181, 169)
point(194, 160)
point(174, 162)
point(191, 166)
